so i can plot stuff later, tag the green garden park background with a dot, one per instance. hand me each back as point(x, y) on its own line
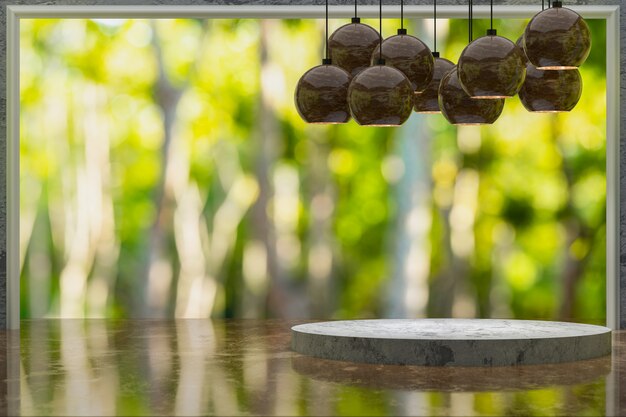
point(165, 173)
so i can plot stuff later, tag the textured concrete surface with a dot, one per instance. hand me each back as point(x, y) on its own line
point(3, 179)
point(452, 342)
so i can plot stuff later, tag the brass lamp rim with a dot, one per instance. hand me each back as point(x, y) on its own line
point(490, 97)
point(550, 111)
point(557, 67)
point(380, 125)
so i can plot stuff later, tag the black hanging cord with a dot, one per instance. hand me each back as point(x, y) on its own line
point(355, 14)
point(326, 37)
point(543, 5)
point(380, 32)
point(491, 14)
point(435, 27)
point(469, 21)
point(401, 14)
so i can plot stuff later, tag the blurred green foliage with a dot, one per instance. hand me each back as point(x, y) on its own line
point(166, 172)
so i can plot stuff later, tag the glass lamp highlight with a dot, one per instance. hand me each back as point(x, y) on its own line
point(380, 96)
point(551, 91)
point(491, 67)
point(428, 100)
point(321, 94)
point(351, 46)
point(461, 109)
point(410, 55)
point(557, 38)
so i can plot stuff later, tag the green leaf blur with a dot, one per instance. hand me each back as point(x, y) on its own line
point(166, 173)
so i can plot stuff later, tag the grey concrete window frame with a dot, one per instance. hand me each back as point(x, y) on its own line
point(12, 11)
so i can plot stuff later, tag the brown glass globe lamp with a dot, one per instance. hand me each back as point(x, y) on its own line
point(461, 109)
point(427, 101)
point(552, 91)
point(380, 95)
point(457, 106)
point(557, 38)
point(491, 66)
point(321, 93)
point(408, 54)
point(549, 91)
point(351, 45)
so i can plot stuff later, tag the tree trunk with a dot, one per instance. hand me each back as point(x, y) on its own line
point(408, 292)
point(156, 278)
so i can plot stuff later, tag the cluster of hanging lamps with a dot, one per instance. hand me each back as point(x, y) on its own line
point(379, 83)
point(427, 100)
point(553, 83)
point(321, 93)
point(382, 95)
point(456, 101)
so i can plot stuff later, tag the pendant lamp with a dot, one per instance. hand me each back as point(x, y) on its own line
point(428, 100)
point(321, 93)
point(558, 38)
point(380, 95)
point(549, 91)
point(461, 109)
point(491, 66)
point(408, 54)
point(351, 45)
point(457, 106)
point(520, 45)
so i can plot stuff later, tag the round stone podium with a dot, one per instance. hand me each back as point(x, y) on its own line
point(451, 342)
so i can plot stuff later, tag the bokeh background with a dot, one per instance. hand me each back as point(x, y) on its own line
point(166, 173)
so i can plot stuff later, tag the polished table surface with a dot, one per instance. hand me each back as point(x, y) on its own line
point(246, 367)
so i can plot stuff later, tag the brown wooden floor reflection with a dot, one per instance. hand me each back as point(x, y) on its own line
point(245, 367)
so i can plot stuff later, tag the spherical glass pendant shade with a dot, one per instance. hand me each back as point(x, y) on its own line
point(491, 67)
point(428, 100)
point(557, 38)
point(351, 46)
point(410, 55)
point(520, 45)
point(551, 91)
point(380, 96)
point(461, 109)
point(321, 95)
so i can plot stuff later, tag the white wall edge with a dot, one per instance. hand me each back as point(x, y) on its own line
point(13, 172)
point(613, 170)
point(14, 13)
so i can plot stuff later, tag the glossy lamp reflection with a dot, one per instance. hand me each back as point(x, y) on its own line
point(409, 55)
point(321, 95)
point(520, 45)
point(351, 46)
point(380, 96)
point(461, 109)
point(428, 100)
point(491, 67)
point(550, 91)
point(557, 38)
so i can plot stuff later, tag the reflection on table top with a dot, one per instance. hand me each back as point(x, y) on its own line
point(243, 367)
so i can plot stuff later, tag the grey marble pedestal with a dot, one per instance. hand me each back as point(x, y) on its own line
point(452, 342)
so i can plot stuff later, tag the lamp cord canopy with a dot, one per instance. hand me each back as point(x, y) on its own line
point(326, 37)
point(435, 26)
point(381, 61)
